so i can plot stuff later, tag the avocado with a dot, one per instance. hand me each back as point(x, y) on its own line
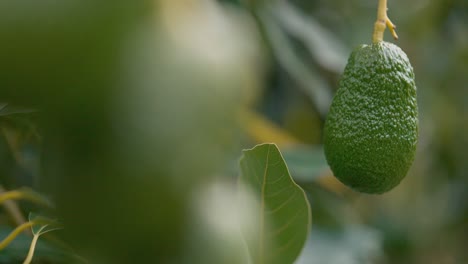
point(371, 130)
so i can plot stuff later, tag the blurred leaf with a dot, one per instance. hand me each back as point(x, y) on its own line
point(7, 109)
point(306, 163)
point(309, 80)
point(284, 216)
point(325, 47)
point(353, 245)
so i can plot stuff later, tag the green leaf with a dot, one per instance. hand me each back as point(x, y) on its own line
point(284, 216)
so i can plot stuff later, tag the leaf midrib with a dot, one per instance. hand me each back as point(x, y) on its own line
point(262, 205)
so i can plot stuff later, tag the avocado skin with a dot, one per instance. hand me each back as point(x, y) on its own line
point(371, 131)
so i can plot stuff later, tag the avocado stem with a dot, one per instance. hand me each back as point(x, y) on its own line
point(382, 22)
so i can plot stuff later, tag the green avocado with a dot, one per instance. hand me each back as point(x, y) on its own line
point(371, 130)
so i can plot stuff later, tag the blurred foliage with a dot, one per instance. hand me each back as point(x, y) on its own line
point(129, 115)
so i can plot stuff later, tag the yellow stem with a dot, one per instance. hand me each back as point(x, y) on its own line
point(382, 22)
point(5, 242)
point(392, 28)
point(31, 250)
point(33, 245)
point(11, 195)
point(23, 194)
point(13, 209)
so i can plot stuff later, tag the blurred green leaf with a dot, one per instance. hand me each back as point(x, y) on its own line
point(354, 245)
point(284, 216)
point(306, 163)
point(308, 79)
point(8, 109)
point(324, 46)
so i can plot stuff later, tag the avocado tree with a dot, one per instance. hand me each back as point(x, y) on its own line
point(132, 139)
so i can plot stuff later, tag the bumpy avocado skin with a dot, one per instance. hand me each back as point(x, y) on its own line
point(371, 131)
